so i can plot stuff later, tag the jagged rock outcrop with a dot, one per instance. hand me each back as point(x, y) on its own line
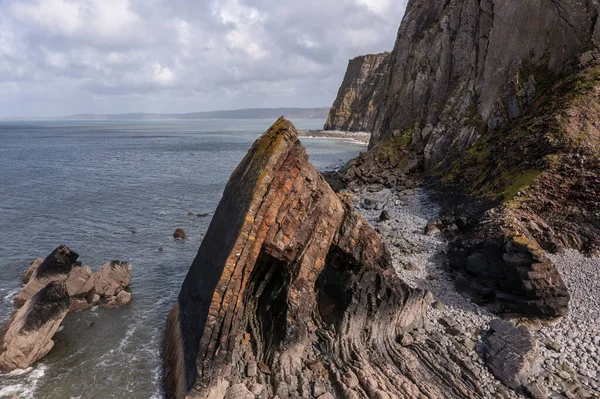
point(292, 294)
point(61, 265)
point(355, 106)
point(27, 336)
point(56, 267)
point(53, 287)
point(499, 101)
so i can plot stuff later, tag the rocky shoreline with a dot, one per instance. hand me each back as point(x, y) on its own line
point(355, 137)
point(568, 354)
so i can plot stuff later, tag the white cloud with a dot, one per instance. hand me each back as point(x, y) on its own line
point(72, 56)
point(162, 75)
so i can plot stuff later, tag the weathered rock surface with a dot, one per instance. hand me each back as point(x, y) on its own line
point(511, 353)
point(500, 264)
point(53, 287)
point(27, 335)
point(294, 292)
point(459, 66)
point(56, 267)
point(361, 91)
point(81, 283)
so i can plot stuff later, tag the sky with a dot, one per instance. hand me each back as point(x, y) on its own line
point(63, 57)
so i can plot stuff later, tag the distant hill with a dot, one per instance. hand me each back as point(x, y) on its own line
point(249, 113)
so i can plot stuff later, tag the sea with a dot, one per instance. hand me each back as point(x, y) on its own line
point(117, 190)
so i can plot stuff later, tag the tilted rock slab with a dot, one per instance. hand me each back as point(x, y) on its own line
point(27, 335)
point(292, 294)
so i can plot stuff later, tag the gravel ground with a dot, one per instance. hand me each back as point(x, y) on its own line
point(570, 349)
point(573, 345)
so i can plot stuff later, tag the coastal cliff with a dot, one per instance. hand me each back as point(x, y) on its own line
point(355, 107)
point(461, 67)
point(497, 102)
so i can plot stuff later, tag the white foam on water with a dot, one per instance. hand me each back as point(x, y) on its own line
point(24, 390)
point(11, 294)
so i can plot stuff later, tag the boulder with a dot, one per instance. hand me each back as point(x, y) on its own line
point(290, 278)
point(179, 234)
point(80, 281)
point(27, 335)
point(385, 215)
point(511, 354)
point(56, 267)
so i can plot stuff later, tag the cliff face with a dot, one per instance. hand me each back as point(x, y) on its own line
point(460, 67)
point(361, 92)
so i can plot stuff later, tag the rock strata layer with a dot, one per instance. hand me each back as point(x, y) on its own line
point(293, 294)
point(361, 91)
point(27, 336)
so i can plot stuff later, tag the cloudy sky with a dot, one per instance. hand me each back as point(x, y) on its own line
point(60, 57)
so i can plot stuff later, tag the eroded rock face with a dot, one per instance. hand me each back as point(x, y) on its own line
point(511, 354)
point(27, 335)
point(101, 287)
point(292, 294)
point(53, 287)
point(359, 95)
point(461, 65)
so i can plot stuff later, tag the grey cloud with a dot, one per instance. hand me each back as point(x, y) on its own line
point(182, 55)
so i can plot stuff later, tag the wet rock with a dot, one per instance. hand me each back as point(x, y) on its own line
point(179, 234)
point(27, 336)
point(79, 305)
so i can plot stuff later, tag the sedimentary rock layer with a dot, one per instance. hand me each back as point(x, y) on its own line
point(27, 336)
point(359, 95)
point(292, 294)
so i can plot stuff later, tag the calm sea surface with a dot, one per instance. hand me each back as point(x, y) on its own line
point(117, 190)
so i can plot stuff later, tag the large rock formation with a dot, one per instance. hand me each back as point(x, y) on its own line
point(499, 101)
point(461, 66)
point(292, 294)
point(53, 287)
point(27, 336)
point(355, 107)
point(83, 286)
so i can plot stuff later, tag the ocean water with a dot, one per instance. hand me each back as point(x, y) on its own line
point(117, 190)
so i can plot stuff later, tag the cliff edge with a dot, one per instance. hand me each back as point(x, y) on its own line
point(355, 107)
